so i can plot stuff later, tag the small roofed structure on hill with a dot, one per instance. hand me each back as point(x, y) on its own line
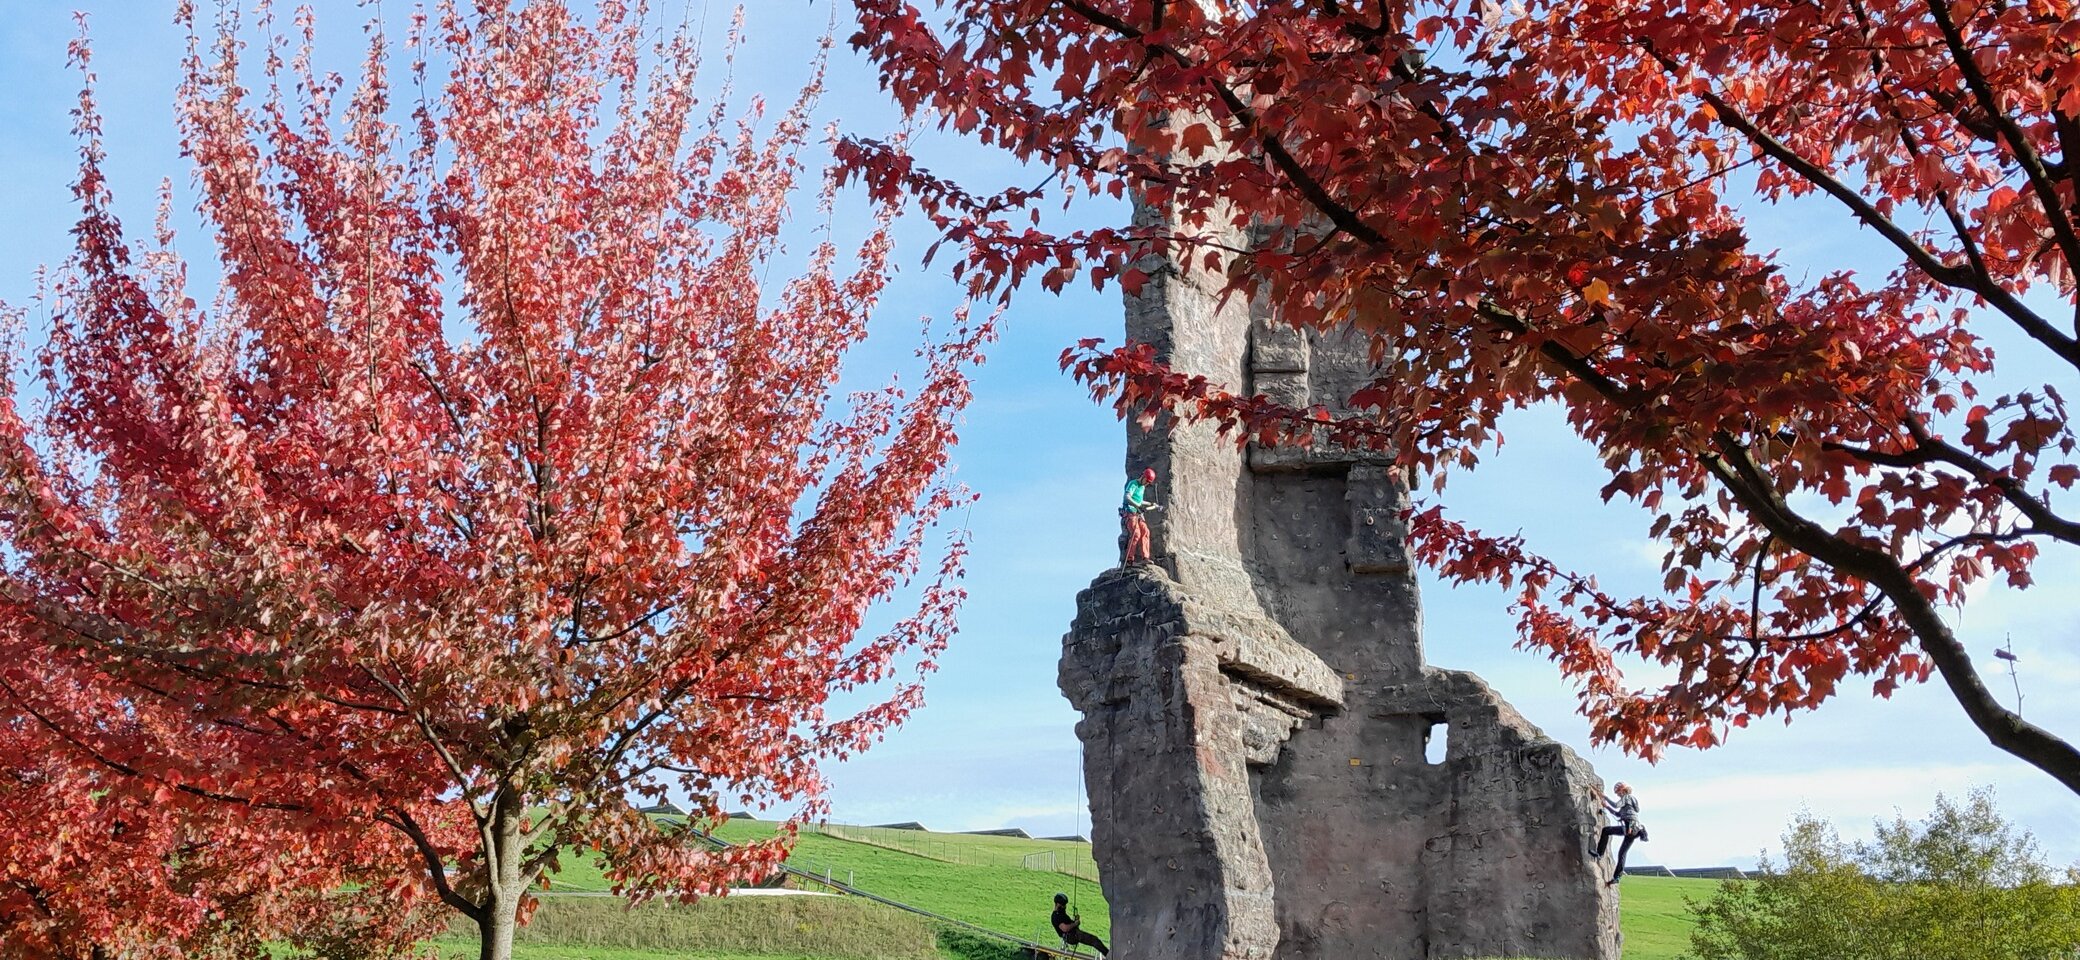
point(905, 825)
point(1071, 838)
point(1003, 832)
point(1709, 873)
point(665, 809)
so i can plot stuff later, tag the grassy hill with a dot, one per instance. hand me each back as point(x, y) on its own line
point(1063, 856)
point(1009, 899)
point(977, 879)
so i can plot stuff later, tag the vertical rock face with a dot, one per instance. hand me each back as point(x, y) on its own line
point(1256, 709)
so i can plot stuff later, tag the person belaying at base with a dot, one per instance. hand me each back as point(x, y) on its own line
point(1626, 809)
point(1071, 927)
point(1132, 506)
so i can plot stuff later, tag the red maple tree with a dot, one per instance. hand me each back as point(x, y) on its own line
point(1545, 202)
point(496, 488)
point(103, 863)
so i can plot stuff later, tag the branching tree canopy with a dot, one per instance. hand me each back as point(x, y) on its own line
point(1545, 202)
point(495, 487)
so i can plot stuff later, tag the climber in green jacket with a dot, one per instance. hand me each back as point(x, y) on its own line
point(1132, 506)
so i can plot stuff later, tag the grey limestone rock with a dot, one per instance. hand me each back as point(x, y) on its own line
point(1256, 707)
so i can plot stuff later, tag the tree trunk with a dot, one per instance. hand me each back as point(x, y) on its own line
point(505, 849)
point(495, 931)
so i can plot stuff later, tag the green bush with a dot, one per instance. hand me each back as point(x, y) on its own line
point(964, 945)
point(1960, 885)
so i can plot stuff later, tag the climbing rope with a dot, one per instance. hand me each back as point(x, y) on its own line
point(1082, 801)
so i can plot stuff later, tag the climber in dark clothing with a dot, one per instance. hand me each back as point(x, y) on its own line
point(1626, 809)
point(1071, 928)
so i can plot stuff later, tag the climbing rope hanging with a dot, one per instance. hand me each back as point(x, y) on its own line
point(1082, 801)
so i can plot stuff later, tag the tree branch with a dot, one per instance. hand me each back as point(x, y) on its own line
point(2038, 328)
point(1731, 465)
point(1318, 196)
point(436, 869)
point(1929, 449)
point(2017, 141)
point(129, 771)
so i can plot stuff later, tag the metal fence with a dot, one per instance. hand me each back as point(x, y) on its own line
point(812, 868)
point(1078, 865)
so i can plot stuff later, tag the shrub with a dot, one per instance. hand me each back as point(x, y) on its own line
point(964, 945)
point(1960, 885)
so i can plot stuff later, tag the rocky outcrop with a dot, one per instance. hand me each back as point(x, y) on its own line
point(1256, 707)
point(1179, 701)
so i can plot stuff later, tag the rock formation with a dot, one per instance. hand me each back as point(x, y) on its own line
point(1256, 708)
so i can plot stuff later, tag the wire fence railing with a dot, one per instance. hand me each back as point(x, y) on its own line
point(814, 868)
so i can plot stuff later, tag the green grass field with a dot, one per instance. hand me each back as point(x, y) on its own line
point(992, 890)
point(1654, 920)
point(823, 928)
point(523, 950)
point(1008, 899)
point(458, 950)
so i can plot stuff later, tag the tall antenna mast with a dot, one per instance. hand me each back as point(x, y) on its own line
point(2007, 652)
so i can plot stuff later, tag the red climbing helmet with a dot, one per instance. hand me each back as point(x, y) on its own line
point(1148, 475)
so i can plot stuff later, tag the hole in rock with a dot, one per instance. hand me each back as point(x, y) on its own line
point(1434, 740)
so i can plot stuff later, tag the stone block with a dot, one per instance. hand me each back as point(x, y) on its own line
point(1277, 348)
point(1379, 504)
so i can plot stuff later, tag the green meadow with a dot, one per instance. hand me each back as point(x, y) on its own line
point(975, 879)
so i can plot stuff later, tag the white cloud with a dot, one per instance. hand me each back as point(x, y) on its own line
point(1727, 819)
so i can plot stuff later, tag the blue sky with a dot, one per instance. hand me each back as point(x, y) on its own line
point(995, 745)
